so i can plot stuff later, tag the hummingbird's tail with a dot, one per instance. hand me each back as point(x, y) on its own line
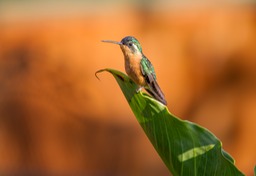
point(154, 90)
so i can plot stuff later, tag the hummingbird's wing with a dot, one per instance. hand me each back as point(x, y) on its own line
point(152, 87)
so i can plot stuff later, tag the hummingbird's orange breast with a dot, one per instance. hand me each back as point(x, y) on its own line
point(132, 65)
point(133, 69)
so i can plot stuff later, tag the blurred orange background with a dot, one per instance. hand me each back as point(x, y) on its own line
point(56, 118)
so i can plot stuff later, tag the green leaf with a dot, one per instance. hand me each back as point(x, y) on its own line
point(185, 147)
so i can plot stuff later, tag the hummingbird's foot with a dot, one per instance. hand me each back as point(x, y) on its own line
point(138, 89)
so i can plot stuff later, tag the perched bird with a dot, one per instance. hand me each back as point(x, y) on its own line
point(139, 68)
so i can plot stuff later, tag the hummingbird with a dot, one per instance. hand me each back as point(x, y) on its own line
point(139, 68)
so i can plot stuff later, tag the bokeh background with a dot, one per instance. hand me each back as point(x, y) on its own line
point(56, 118)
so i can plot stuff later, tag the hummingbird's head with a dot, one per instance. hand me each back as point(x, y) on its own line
point(129, 45)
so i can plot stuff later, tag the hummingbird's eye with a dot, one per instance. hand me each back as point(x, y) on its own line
point(130, 44)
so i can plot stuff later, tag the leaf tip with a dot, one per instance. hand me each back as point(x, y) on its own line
point(99, 71)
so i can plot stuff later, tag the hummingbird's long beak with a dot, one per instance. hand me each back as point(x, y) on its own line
point(111, 41)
